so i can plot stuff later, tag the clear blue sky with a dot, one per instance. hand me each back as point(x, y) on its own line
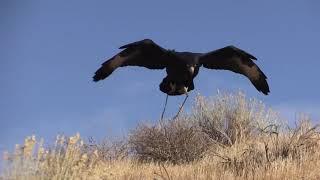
point(49, 51)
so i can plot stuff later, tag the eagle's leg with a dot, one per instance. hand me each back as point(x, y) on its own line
point(184, 101)
point(164, 108)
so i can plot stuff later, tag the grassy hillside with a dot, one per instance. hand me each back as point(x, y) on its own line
point(225, 137)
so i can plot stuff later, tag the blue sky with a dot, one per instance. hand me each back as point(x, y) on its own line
point(49, 51)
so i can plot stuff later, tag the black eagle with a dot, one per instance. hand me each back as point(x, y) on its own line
point(183, 67)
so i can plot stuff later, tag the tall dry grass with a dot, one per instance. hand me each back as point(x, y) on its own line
point(225, 137)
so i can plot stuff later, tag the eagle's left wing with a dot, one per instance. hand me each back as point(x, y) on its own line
point(238, 61)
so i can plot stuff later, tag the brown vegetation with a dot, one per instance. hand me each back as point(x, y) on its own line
point(226, 137)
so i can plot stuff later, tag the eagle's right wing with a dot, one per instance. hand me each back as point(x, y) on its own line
point(143, 53)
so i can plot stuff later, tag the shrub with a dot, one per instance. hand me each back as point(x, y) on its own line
point(225, 120)
point(232, 118)
point(176, 141)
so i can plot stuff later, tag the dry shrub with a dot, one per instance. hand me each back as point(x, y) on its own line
point(175, 141)
point(225, 120)
point(232, 118)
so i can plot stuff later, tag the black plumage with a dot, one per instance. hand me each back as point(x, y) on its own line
point(183, 67)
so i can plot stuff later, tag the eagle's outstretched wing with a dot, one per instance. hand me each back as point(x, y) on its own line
point(143, 53)
point(238, 61)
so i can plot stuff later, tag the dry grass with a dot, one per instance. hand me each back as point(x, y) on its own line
point(227, 137)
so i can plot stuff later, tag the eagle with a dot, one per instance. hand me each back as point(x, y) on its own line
point(183, 67)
